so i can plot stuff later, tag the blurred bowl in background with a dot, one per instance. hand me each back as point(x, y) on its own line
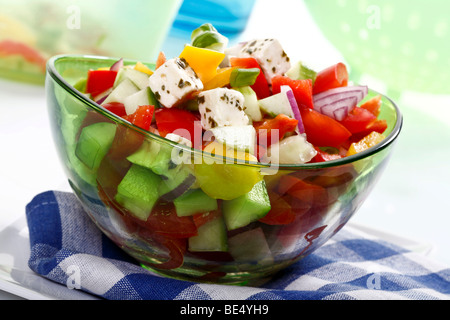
point(404, 44)
point(31, 31)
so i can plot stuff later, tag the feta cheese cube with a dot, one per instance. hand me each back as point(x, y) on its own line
point(270, 56)
point(173, 81)
point(222, 107)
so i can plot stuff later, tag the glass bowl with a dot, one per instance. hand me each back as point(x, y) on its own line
point(309, 202)
point(403, 44)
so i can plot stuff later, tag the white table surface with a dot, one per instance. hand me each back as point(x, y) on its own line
point(408, 202)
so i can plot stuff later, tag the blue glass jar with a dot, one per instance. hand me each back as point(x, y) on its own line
point(229, 17)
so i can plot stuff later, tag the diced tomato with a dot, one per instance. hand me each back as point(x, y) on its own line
point(163, 220)
point(160, 60)
point(323, 131)
point(323, 156)
point(358, 120)
point(261, 86)
point(373, 105)
point(127, 141)
point(182, 122)
point(280, 213)
point(109, 174)
point(379, 126)
point(310, 194)
point(332, 77)
point(302, 89)
point(98, 81)
point(10, 47)
point(142, 117)
point(116, 107)
point(266, 129)
point(202, 218)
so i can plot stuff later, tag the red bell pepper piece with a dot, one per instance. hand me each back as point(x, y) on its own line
point(182, 122)
point(302, 89)
point(98, 81)
point(332, 77)
point(261, 86)
point(323, 131)
point(116, 107)
point(266, 129)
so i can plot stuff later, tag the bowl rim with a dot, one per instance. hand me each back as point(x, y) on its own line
point(56, 76)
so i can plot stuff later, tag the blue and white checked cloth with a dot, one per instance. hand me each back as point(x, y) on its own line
point(349, 266)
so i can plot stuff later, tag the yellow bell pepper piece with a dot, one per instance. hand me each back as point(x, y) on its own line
point(367, 142)
point(221, 79)
point(204, 61)
point(220, 179)
point(219, 149)
point(143, 68)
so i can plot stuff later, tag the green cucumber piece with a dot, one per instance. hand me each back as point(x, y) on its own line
point(171, 189)
point(138, 78)
point(193, 202)
point(277, 104)
point(251, 106)
point(138, 191)
point(94, 142)
point(301, 72)
point(251, 247)
point(242, 138)
point(247, 208)
point(125, 89)
point(143, 97)
point(212, 236)
point(157, 158)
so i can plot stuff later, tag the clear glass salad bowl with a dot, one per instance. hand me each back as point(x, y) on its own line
point(312, 202)
point(401, 43)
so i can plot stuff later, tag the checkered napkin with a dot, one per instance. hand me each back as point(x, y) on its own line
point(65, 243)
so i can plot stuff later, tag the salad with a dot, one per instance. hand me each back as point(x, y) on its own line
point(247, 102)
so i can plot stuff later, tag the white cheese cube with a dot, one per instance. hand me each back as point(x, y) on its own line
point(222, 107)
point(270, 56)
point(173, 81)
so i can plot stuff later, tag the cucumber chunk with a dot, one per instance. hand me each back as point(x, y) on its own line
point(144, 97)
point(251, 106)
point(125, 89)
point(212, 236)
point(194, 201)
point(247, 208)
point(277, 104)
point(138, 191)
point(94, 142)
point(138, 78)
point(251, 247)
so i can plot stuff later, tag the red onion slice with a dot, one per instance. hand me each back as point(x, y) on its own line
point(117, 65)
point(294, 106)
point(338, 103)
